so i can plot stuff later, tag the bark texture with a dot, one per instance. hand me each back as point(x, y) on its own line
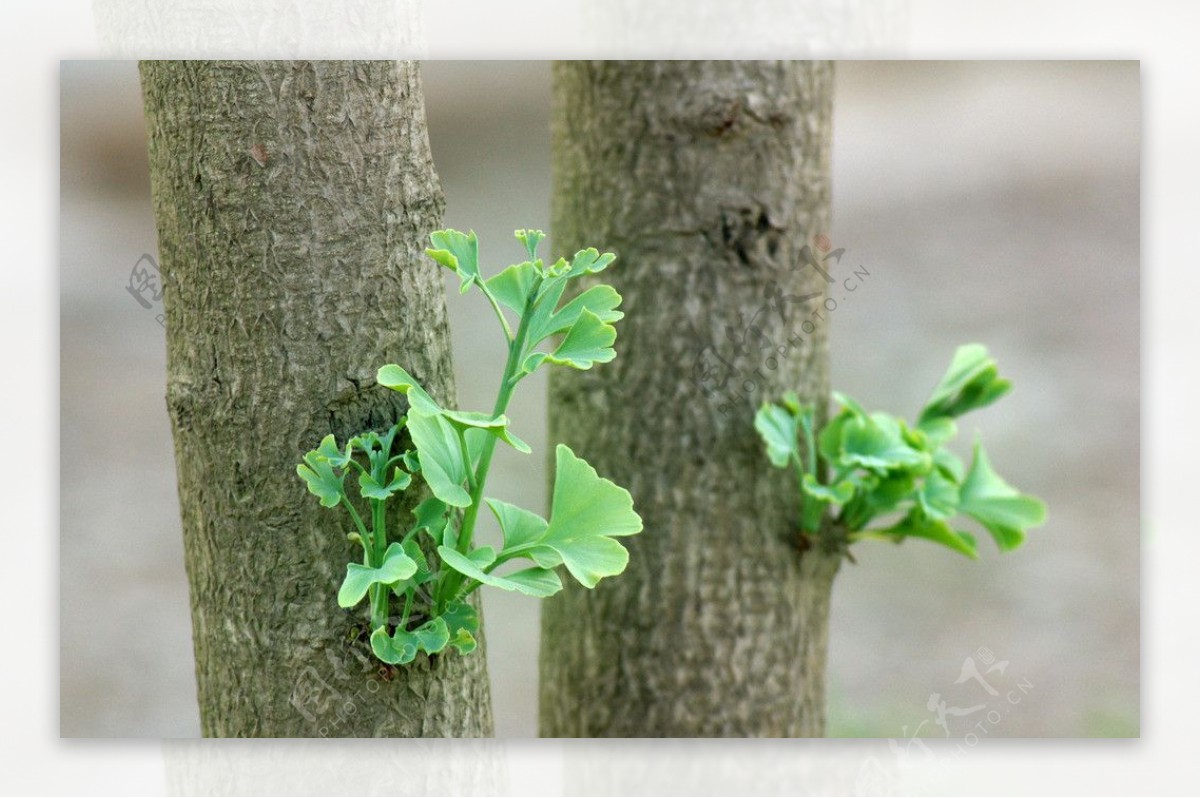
point(293, 202)
point(707, 180)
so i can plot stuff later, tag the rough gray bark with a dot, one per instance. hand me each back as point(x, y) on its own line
point(293, 201)
point(707, 180)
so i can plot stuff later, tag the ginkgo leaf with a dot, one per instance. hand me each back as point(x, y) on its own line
point(972, 381)
point(398, 649)
point(914, 525)
point(371, 489)
point(871, 444)
point(829, 439)
point(432, 636)
point(322, 482)
point(779, 430)
point(587, 513)
point(493, 425)
point(949, 464)
point(938, 429)
point(396, 566)
point(458, 252)
point(462, 624)
point(423, 573)
point(530, 239)
point(442, 463)
point(589, 261)
point(536, 582)
point(430, 515)
point(831, 494)
point(396, 378)
point(519, 526)
point(884, 493)
point(336, 457)
point(589, 341)
point(999, 507)
point(938, 496)
point(602, 300)
point(512, 286)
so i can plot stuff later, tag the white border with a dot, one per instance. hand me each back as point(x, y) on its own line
point(1160, 34)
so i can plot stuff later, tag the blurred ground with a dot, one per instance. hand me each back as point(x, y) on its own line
point(991, 202)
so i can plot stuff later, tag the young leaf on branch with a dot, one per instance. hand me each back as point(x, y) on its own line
point(432, 567)
point(862, 467)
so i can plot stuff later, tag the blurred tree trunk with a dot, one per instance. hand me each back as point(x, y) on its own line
point(293, 201)
point(708, 180)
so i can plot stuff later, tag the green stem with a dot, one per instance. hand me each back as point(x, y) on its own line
point(810, 521)
point(408, 597)
point(496, 307)
point(452, 582)
point(379, 593)
point(362, 530)
point(810, 443)
point(516, 349)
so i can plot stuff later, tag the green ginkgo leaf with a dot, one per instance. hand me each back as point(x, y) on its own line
point(396, 566)
point(836, 494)
point(396, 378)
point(493, 425)
point(423, 573)
point(938, 496)
point(442, 463)
point(589, 261)
point(432, 636)
point(972, 381)
point(317, 473)
point(1004, 511)
point(462, 624)
point(589, 341)
point(430, 515)
point(884, 493)
point(512, 286)
point(530, 239)
point(602, 300)
point(914, 525)
point(398, 649)
point(780, 431)
point(536, 582)
point(336, 457)
point(949, 464)
point(519, 526)
point(458, 252)
point(875, 445)
point(938, 429)
point(371, 489)
point(587, 514)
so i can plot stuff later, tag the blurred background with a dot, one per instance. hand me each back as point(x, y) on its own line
point(988, 201)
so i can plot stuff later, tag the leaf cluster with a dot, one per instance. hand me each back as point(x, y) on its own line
point(862, 468)
point(433, 566)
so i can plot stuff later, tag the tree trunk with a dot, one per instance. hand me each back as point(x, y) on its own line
point(293, 201)
point(707, 180)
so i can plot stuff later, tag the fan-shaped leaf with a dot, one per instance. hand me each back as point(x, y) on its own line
point(396, 566)
point(458, 252)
